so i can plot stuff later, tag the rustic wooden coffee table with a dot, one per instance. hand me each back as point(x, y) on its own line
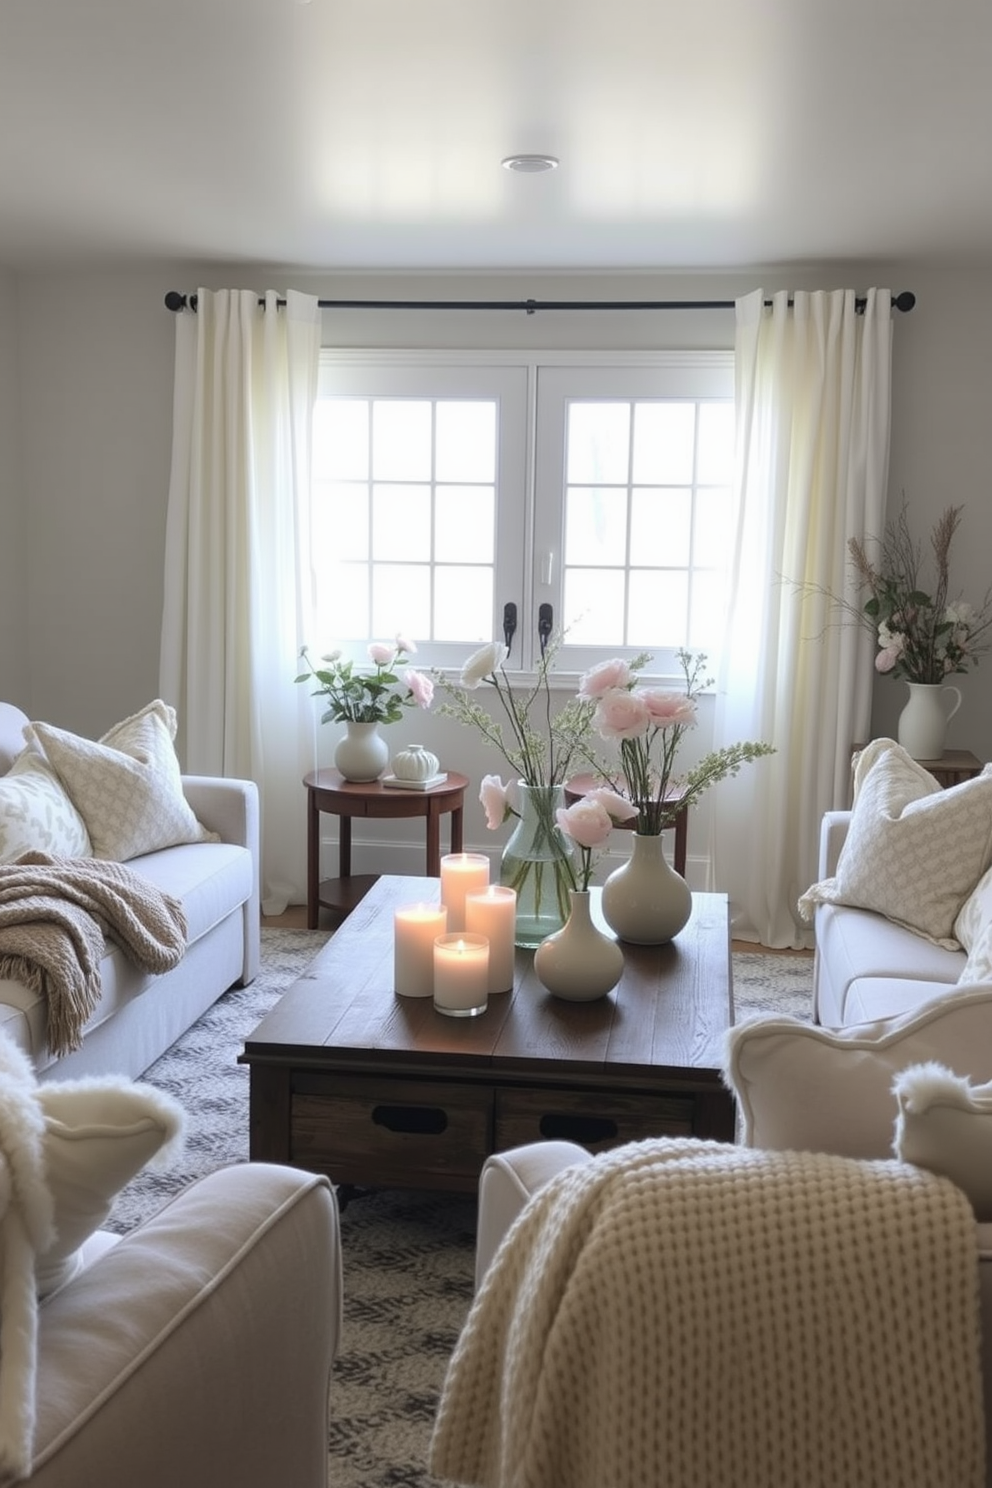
point(378, 1090)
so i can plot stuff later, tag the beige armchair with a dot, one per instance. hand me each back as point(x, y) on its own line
point(197, 1349)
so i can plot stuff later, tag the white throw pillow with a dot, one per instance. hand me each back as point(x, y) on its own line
point(913, 852)
point(978, 967)
point(804, 1088)
point(99, 1133)
point(975, 914)
point(945, 1125)
point(36, 813)
point(128, 787)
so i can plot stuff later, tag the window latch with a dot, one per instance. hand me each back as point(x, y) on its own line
point(545, 624)
point(509, 624)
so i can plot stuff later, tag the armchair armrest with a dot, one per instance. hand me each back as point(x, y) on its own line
point(198, 1349)
point(507, 1181)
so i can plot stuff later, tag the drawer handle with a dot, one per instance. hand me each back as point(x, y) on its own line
point(423, 1120)
point(582, 1129)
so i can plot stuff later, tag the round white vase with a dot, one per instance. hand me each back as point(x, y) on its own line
point(415, 763)
point(923, 722)
point(363, 753)
point(578, 962)
point(644, 900)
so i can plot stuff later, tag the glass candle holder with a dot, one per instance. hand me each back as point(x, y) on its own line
point(461, 974)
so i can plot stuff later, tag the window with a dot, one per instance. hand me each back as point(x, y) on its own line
point(447, 487)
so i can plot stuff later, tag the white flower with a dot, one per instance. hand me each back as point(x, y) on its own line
point(891, 640)
point(483, 663)
point(960, 613)
point(331, 655)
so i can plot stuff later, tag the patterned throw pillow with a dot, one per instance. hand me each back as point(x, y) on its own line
point(128, 787)
point(913, 852)
point(36, 813)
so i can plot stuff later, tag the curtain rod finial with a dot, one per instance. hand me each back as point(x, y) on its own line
point(905, 301)
point(175, 301)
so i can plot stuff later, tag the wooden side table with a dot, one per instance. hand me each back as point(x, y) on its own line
point(328, 791)
point(577, 787)
point(954, 765)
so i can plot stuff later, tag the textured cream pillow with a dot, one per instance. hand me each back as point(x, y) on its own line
point(978, 967)
point(98, 1135)
point(913, 852)
point(809, 1089)
point(36, 813)
point(945, 1125)
point(128, 787)
point(976, 912)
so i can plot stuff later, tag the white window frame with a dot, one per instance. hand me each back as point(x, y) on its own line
point(530, 457)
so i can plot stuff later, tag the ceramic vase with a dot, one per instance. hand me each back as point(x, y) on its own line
point(415, 763)
point(644, 900)
point(578, 962)
point(538, 862)
point(923, 722)
point(363, 753)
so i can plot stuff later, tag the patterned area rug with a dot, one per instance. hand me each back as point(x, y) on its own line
point(408, 1256)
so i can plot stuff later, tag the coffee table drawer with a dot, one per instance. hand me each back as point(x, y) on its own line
point(380, 1132)
point(595, 1119)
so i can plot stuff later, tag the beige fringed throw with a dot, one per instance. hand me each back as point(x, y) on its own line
point(685, 1312)
point(55, 916)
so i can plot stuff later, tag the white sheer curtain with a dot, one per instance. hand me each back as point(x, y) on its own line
point(813, 401)
point(236, 547)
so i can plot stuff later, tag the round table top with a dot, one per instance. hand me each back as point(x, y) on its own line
point(333, 781)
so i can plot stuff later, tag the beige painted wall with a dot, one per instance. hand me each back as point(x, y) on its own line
point(92, 389)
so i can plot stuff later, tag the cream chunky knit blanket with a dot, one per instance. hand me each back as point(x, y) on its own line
point(55, 916)
point(685, 1313)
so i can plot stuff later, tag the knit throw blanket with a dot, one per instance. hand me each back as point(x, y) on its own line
point(55, 917)
point(690, 1313)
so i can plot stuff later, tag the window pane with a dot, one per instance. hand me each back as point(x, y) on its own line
point(595, 525)
point(401, 522)
point(598, 448)
point(660, 525)
point(401, 439)
point(463, 604)
point(466, 442)
point(664, 441)
point(713, 534)
point(401, 600)
point(341, 439)
point(341, 520)
point(658, 603)
point(593, 605)
point(343, 605)
point(715, 461)
point(465, 524)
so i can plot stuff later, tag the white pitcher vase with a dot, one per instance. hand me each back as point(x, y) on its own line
point(923, 722)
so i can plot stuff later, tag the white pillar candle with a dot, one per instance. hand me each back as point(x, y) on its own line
point(415, 929)
point(461, 874)
point(461, 974)
point(493, 913)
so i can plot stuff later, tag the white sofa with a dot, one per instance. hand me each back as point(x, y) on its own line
point(866, 967)
point(140, 1015)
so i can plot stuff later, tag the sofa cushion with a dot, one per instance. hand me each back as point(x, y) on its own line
point(35, 812)
point(913, 852)
point(855, 946)
point(98, 1134)
point(945, 1125)
point(817, 1090)
point(128, 786)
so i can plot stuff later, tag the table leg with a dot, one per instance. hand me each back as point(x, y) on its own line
point(313, 861)
point(681, 839)
point(433, 840)
point(344, 846)
point(456, 829)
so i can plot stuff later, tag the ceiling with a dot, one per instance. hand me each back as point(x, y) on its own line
point(368, 134)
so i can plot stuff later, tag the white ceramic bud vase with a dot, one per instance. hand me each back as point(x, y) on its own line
point(923, 722)
point(578, 962)
point(363, 753)
point(644, 900)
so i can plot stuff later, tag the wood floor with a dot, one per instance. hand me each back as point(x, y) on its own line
point(295, 918)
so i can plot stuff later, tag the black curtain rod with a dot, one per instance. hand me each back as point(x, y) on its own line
point(176, 301)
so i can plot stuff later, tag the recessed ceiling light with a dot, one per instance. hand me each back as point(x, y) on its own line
point(530, 164)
